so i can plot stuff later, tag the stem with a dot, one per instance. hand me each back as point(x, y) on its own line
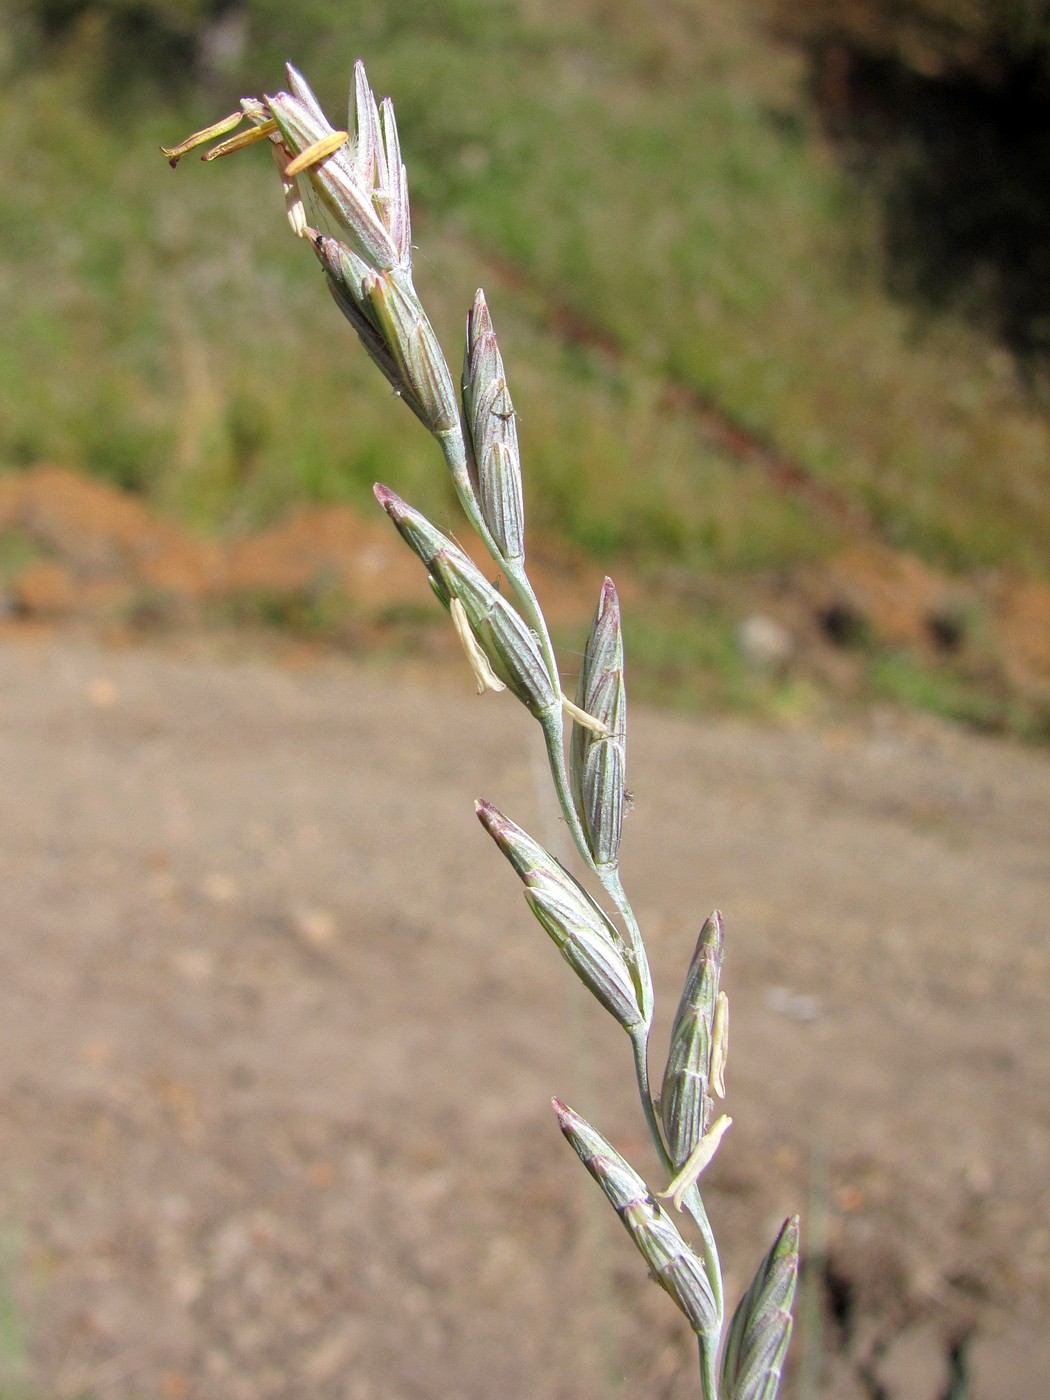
point(553, 736)
point(610, 878)
point(640, 1045)
point(454, 451)
point(708, 1349)
point(453, 447)
point(530, 605)
point(695, 1206)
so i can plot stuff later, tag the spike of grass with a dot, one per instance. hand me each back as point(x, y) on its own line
point(601, 941)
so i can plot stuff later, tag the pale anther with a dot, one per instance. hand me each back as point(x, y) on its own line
point(293, 204)
point(695, 1163)
point(479, 662)
point(719, 1045)
point(582, 717)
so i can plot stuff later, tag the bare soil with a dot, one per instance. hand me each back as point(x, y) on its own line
point(76, 548)
point(278, 1038)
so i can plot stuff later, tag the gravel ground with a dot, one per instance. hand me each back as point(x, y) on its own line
point(278, 1038)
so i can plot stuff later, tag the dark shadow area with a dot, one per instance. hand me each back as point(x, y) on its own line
point(960, 159)
point(125, 47)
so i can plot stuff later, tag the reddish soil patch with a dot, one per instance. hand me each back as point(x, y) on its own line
point(106, 541)
point(90, 550)
point(894, 595)
point(106, 551)
point(1024, 617)
point(330, 544)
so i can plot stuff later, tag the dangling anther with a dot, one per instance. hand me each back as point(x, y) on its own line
point(315, 154)
point(479, 662)
point(694, 1164)
point(242, 139)
point(200, 138)
point(582, 717)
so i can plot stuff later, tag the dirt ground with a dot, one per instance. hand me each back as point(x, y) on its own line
point(278, 1038)
point(73, 548)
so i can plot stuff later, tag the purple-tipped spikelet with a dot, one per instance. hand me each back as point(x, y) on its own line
point(502, 635)
point(586, 939)
point(672, 1264)
point(492, 435)
point(685, 1099)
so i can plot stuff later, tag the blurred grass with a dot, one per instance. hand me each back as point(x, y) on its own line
point(657, 174)
point(164, 332)
point(961, 698)
point(171, 338)
point(14, 1365)
point(684, 660)
point(693, 213)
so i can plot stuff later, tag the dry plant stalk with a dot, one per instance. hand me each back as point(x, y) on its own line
point(359, 180)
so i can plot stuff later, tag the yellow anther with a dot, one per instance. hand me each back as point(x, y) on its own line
point(199, 138)
point(242, 139)
point(319, 151)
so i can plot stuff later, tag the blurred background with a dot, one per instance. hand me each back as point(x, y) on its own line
point(771, 281)
point(772, 284)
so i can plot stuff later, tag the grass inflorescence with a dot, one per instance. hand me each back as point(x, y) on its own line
point(355, 183)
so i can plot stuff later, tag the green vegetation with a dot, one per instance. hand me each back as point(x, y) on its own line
point(968, 700)
point(13, 1357)
point(17, 551)
point(687, 660)
point(657, 181)
point(320, 611)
